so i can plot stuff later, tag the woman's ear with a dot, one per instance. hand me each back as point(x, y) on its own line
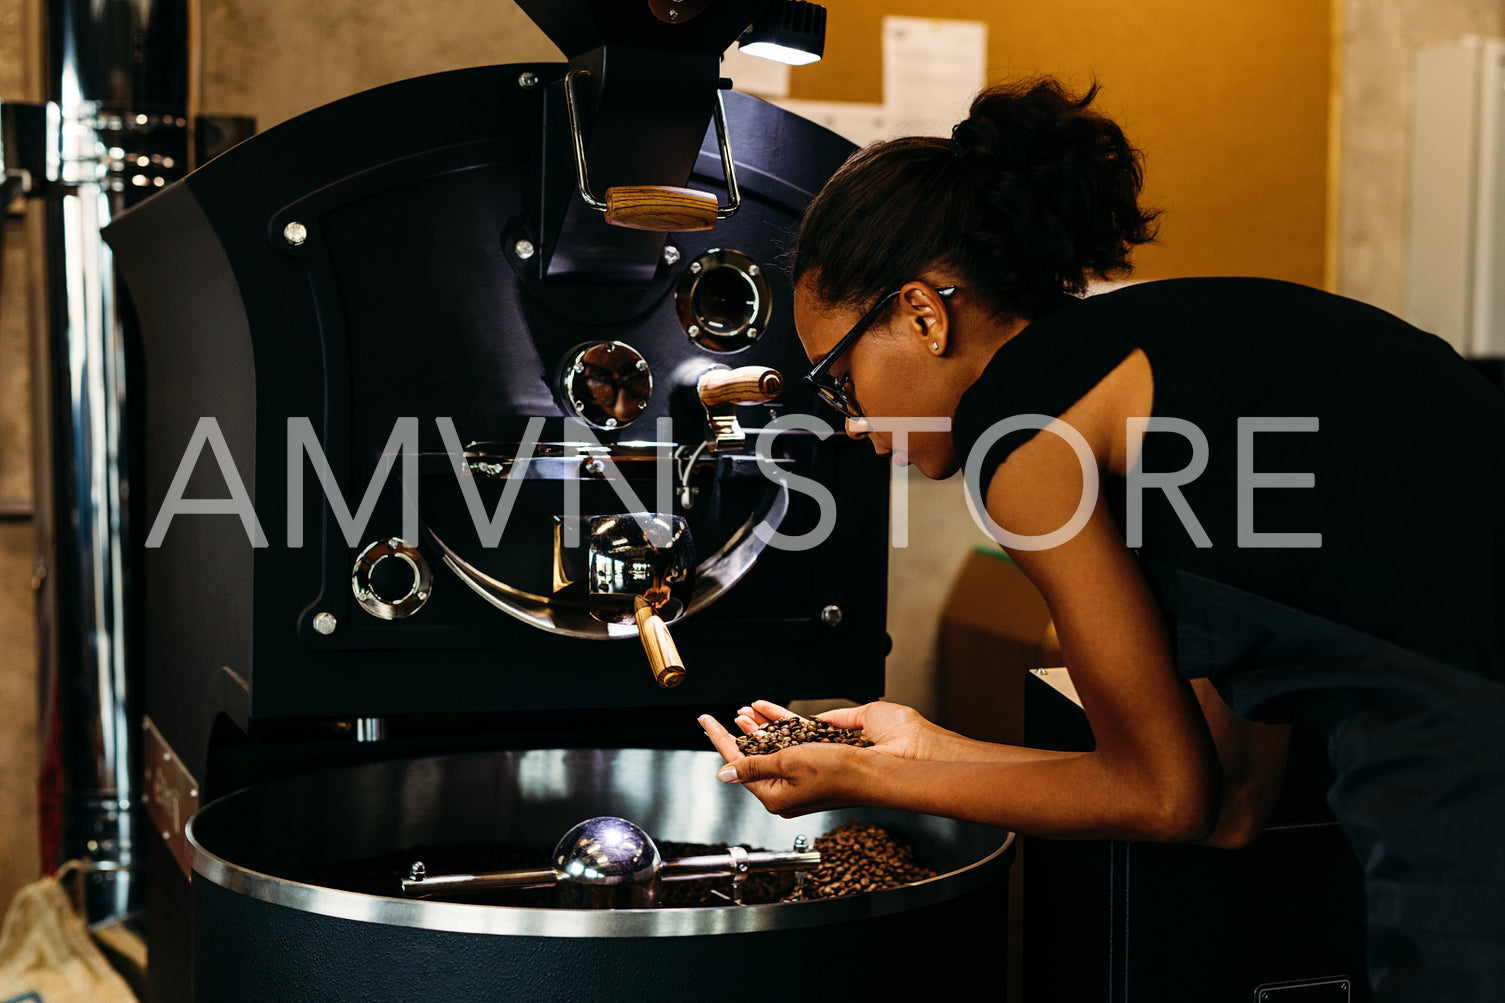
point(927, 317)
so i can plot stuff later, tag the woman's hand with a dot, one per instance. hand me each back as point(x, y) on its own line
point(815, 776)
point(894, 729)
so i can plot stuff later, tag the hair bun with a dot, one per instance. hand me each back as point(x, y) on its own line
point(1033, 195)
point(1063, 178)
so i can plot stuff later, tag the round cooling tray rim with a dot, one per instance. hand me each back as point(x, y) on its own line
point(518, 921)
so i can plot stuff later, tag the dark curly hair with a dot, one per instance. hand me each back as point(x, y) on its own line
point(1031, 197)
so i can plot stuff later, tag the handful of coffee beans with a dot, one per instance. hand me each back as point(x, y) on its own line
point(783, 733)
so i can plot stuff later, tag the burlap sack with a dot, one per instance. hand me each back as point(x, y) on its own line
point(46, 954)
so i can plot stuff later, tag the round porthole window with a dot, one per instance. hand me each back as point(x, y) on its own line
point(606, 384)
point(723, 300)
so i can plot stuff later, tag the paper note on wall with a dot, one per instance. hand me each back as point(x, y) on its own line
point(853, 120)
point(932, 68)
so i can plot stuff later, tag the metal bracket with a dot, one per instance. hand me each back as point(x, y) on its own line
point(46, 144)
point(726, 431)
point(721, 389)
point(171, 794)
point(23, 137)
point(14, 184)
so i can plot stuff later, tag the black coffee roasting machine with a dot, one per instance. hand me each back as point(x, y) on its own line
point(478, 465)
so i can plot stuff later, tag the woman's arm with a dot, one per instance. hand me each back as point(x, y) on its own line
point(1153, 774)
point(901, 731)
point(1152, 742)
point(1252, 758)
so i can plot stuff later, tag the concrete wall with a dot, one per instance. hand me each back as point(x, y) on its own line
point(276, 58)
point(18, 679)
point(1379, 39)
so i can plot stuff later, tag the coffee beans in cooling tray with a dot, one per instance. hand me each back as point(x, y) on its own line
point(783, 733)
point(862, 857)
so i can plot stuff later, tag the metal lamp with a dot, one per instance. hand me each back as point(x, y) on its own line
point(789, 31)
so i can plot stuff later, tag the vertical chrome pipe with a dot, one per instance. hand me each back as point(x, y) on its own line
point(87, 689)
point(116, 88)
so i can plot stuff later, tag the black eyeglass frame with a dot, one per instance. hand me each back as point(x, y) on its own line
point(832, 390)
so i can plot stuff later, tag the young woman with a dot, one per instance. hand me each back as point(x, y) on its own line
point(1301, 519)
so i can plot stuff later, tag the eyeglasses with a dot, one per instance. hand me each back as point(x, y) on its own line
point(836, 392)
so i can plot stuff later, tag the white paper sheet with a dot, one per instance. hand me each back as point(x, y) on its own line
point(932, 68)
point(853, 120)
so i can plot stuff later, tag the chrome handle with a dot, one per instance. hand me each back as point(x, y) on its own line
point(582, 171)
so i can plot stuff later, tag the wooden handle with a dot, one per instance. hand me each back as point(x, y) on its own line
point(654, 207)
point(663, 656)
point(748, 385)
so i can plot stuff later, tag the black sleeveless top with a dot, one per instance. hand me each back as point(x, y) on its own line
point(1408, 459)
point(1388, 637)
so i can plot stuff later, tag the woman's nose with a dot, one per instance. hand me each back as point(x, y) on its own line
point(857, 428)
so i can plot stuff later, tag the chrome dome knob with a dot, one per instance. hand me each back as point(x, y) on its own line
point(607, 862)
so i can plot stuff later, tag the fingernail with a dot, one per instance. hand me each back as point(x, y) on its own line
point(727, 774)
point(702, 719)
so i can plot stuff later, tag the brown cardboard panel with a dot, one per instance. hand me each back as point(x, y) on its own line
point(993, 627)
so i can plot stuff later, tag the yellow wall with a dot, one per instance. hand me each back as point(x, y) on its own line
point(1228, 99)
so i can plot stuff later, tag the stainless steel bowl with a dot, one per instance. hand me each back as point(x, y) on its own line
point(249, 847)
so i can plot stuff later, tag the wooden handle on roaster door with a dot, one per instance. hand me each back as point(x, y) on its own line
point(663, 656)
point(654, 207)
point(748, 385)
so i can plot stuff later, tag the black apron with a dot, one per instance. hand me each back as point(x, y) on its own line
point(1418, 751)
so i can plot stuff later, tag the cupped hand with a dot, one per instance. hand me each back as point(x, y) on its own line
point(894, 729)
point(795, 781)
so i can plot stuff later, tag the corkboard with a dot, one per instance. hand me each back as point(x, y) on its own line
point(1229, 102)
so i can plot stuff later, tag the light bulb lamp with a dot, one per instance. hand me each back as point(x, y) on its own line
point(789, 31)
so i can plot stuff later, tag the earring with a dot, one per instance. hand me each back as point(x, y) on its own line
point(935, 346)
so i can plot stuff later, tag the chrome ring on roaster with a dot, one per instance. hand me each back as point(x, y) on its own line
point(410, 602)
point(723, 300)
point(606, 384)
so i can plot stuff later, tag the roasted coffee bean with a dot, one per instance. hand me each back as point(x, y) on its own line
point(862, 857)
point(792, 730)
